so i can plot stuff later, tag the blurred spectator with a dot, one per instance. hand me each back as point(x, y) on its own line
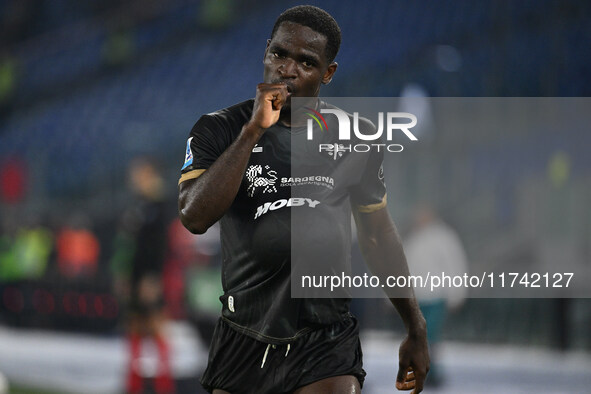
point(119, 47)
point(8, 81)
point(182, 253)
point(8, 261)
point(435, 247)
point(19, 19)
point(204, 287)
point(204, 276)
point(192, 273)
point(216, 14)
point(138, 263)
point(559, 169)
point(77, 249)
point(13, 179)
point(4, 386)
point(32, 248)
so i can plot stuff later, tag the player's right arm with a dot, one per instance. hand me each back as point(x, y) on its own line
point(204, 200)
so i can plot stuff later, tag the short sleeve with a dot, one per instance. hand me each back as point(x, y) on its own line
point(205, 144)
point(369, 194)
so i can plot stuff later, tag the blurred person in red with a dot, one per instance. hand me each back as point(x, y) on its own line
point(138, 261)
point(13, 180)
point(181, 254)
point(77, 248)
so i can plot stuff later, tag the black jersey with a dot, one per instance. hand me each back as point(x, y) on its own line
point(290, 194)
point(150, 221)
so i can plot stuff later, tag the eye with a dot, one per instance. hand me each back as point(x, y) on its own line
point(308, 62)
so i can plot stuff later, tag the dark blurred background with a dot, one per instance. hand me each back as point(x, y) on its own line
point(86, 86)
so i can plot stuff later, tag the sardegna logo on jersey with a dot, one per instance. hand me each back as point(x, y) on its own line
point(388, 123)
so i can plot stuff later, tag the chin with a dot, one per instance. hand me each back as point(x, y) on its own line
point(286, 110)
point(287, 103)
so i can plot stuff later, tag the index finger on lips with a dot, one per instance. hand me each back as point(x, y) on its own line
point(278, 100)
point(274, 92)
point(272, 86)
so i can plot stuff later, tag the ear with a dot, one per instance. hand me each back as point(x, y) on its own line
point(266, 48)
point(327, 77)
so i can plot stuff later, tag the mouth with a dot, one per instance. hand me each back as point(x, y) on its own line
point(290, 89)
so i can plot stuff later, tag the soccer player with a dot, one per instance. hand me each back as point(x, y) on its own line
point(235, 165)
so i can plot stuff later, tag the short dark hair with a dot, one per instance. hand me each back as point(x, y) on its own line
point(316, 19)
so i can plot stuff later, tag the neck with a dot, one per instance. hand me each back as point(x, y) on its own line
point(285, 118)
point(298, 117)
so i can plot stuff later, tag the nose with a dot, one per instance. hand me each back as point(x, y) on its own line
point(287, 69)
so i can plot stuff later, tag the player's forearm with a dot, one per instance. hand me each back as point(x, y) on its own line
point(204, 200)
point(382, 249)
point(385, 257)
point(381, 245)
point(411, 315)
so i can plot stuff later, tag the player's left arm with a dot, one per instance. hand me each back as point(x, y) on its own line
point(382, 249)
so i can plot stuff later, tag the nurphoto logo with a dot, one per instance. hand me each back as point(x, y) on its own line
point(392, 125)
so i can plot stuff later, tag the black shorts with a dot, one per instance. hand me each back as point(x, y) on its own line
point(240, 364)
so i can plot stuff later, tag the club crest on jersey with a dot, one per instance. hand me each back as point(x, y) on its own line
point(334, 150)
point(381, 173)
point(188, 154)
point(257, 180)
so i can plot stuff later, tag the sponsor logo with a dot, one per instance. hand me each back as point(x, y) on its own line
point(316, 180)
point(188, 154)
point(256, 179)
point(291, 202)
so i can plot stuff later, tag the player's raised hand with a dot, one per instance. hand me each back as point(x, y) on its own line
point(413, 364)
point(269, 99)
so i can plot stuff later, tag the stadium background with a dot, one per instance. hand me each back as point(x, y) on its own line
point(87, 86)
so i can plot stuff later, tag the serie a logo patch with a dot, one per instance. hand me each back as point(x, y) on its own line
point(188, 154)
